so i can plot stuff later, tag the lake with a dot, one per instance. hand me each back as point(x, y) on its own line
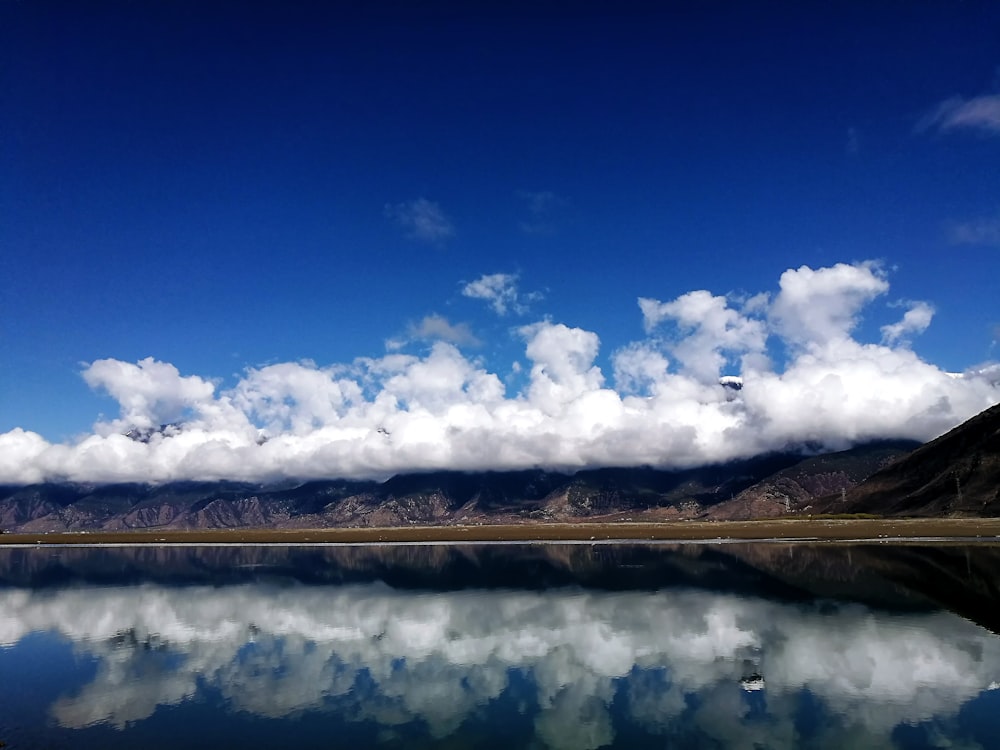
point(501, 646)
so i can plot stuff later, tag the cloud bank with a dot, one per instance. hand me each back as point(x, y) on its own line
point(443, 409)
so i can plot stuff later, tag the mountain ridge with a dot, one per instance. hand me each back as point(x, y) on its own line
point(442, 497)
point(957, 473)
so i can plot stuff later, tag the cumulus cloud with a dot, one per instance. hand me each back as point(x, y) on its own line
point(817, 308)
point(390, 657)
point(563, 369)
point(441, 409)
point(500, 292)
point(639, 367)
point(916, 319)
point(150, 393)
point(421, 220)
point(707, 327)
point(981, 113)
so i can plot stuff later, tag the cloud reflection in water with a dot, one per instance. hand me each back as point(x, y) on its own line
point(668, 662)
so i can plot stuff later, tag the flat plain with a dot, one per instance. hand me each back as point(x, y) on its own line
point(806, 529)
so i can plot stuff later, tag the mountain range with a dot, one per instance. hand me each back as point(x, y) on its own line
point(956, 474)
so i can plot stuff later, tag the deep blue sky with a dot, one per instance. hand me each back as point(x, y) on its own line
point(223, 185)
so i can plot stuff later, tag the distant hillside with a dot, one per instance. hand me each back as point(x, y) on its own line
point(807, 485)
point(763, 486)
point(956, 474)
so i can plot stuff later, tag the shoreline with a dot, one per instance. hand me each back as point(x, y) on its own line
point(901, 530)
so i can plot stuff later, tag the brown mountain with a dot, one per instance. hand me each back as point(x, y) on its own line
point(956, 474)
point(797, 488)
point(784, 482)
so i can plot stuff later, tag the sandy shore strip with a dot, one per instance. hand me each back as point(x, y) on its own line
point(903, 529)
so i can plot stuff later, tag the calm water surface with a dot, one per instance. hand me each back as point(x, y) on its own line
point(740, 646)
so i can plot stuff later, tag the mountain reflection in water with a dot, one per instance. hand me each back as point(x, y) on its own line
point(536, 646)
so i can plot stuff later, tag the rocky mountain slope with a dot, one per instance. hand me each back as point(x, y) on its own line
point(809, 485)
point(768, 485)
point(956, 474)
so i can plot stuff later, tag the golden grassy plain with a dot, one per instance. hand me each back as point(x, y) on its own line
point(820, 529)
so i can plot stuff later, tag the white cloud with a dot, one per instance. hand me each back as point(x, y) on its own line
point(374, 417)
point(500, 292)
point(915, 320)
point(150, 393)
point(708, 327)
point(422, 220)
point(980, 113)
point(817, 308)
point(563, 364)
point(639, 367)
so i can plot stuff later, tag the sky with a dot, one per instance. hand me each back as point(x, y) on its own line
point(352, 239)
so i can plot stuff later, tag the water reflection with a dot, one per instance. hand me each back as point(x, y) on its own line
point(563, 667)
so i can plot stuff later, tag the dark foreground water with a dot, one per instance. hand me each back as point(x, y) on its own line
point(570, 646)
